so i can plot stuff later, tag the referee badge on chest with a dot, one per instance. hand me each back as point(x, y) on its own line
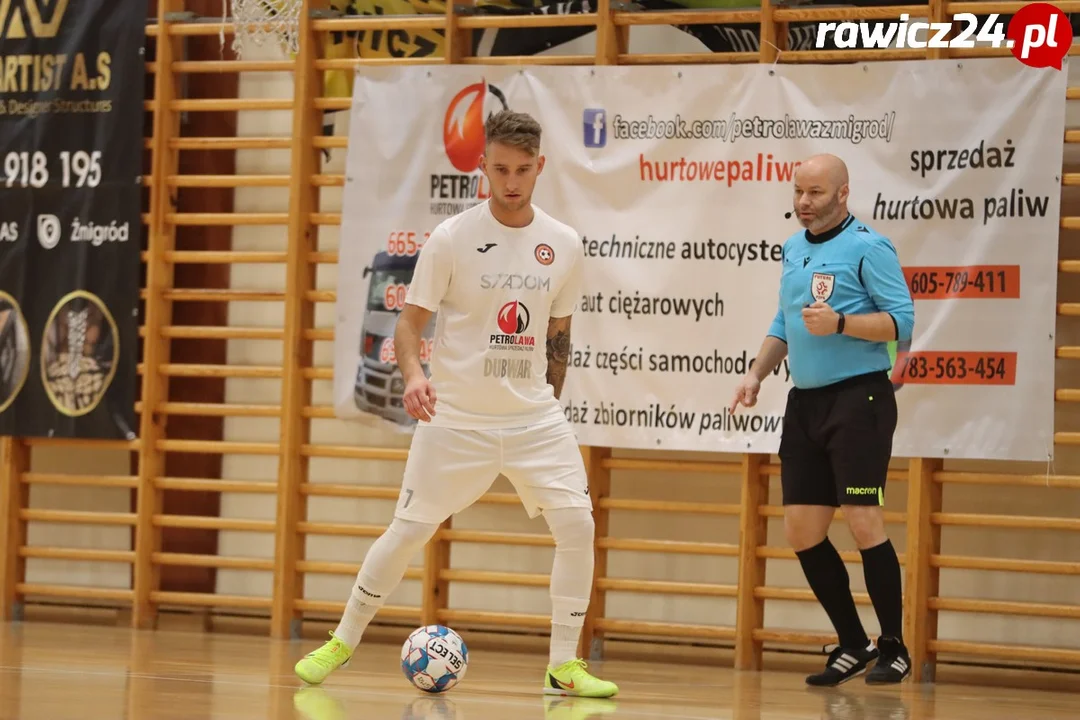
point(821, 286)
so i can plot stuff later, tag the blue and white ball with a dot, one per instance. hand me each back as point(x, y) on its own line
point(434, 658)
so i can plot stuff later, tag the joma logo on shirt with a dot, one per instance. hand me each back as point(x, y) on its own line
point(508, 281)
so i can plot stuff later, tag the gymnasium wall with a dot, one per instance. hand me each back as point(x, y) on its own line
point(651, 485)
point(1044, 545)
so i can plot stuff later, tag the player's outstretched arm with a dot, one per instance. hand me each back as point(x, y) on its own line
point(419, 397)
point(558, 352)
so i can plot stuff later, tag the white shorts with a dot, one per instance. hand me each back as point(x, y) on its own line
point(448, 470)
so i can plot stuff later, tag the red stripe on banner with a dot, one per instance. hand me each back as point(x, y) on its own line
point(933, 367)
point(978, 282)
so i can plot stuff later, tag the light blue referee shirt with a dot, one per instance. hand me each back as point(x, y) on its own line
point(855, 271)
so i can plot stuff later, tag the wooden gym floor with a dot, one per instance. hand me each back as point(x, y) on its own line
point(51, 671)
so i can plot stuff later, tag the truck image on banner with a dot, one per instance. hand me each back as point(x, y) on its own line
point(379, 383)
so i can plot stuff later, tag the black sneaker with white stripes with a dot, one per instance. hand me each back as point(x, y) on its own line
point(844, 664)
point(893, 665)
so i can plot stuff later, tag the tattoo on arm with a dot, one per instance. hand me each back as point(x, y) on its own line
point(558, 352)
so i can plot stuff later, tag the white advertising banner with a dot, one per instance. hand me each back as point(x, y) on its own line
point(679, 181)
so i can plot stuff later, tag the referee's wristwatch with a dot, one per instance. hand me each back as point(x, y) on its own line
point(840, 323)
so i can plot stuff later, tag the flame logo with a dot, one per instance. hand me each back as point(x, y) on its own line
point(463, 126)
point(514, 318)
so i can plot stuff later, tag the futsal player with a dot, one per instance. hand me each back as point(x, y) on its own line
point(843, 298)
point(504, 278)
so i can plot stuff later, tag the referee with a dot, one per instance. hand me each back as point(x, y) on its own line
point(843, 297)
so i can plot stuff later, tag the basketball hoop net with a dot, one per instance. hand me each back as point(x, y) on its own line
point(257, 21)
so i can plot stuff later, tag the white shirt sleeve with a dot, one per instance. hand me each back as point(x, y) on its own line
point(566, 302)
point(431, 277)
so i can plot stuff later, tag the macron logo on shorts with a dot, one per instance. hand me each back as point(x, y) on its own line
point(868, 491)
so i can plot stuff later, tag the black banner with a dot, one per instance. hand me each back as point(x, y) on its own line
point(71, 149)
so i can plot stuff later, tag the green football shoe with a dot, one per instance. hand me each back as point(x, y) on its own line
point(571, 679)
point(317, 665)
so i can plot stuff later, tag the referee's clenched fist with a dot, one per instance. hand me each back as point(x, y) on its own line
point(820, 319)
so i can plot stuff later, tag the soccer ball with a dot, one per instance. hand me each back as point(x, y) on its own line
point(434, 658)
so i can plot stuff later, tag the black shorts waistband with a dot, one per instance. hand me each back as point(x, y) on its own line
point(871, 378)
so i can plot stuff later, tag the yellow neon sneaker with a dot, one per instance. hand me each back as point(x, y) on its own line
point(570, 678)
point(317, 665)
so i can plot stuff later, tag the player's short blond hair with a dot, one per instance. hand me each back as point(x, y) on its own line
point(516, 129)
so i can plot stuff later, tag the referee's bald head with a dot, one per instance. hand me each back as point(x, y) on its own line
point(825, 167)
point(821, 192)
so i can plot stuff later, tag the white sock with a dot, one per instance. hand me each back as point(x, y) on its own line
point(564, 644)
point(571, 579)
point(358, 615)
point(381, 573)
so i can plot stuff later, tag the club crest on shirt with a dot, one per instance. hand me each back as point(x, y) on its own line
point(821, 286)
point(544, 254)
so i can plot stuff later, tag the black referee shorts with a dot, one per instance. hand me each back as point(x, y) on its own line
point(837, 441)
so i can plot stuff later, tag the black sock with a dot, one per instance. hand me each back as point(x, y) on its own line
point(881, 568)
point(828, 578)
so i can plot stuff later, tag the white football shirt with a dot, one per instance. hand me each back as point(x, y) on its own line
point(494, 288)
